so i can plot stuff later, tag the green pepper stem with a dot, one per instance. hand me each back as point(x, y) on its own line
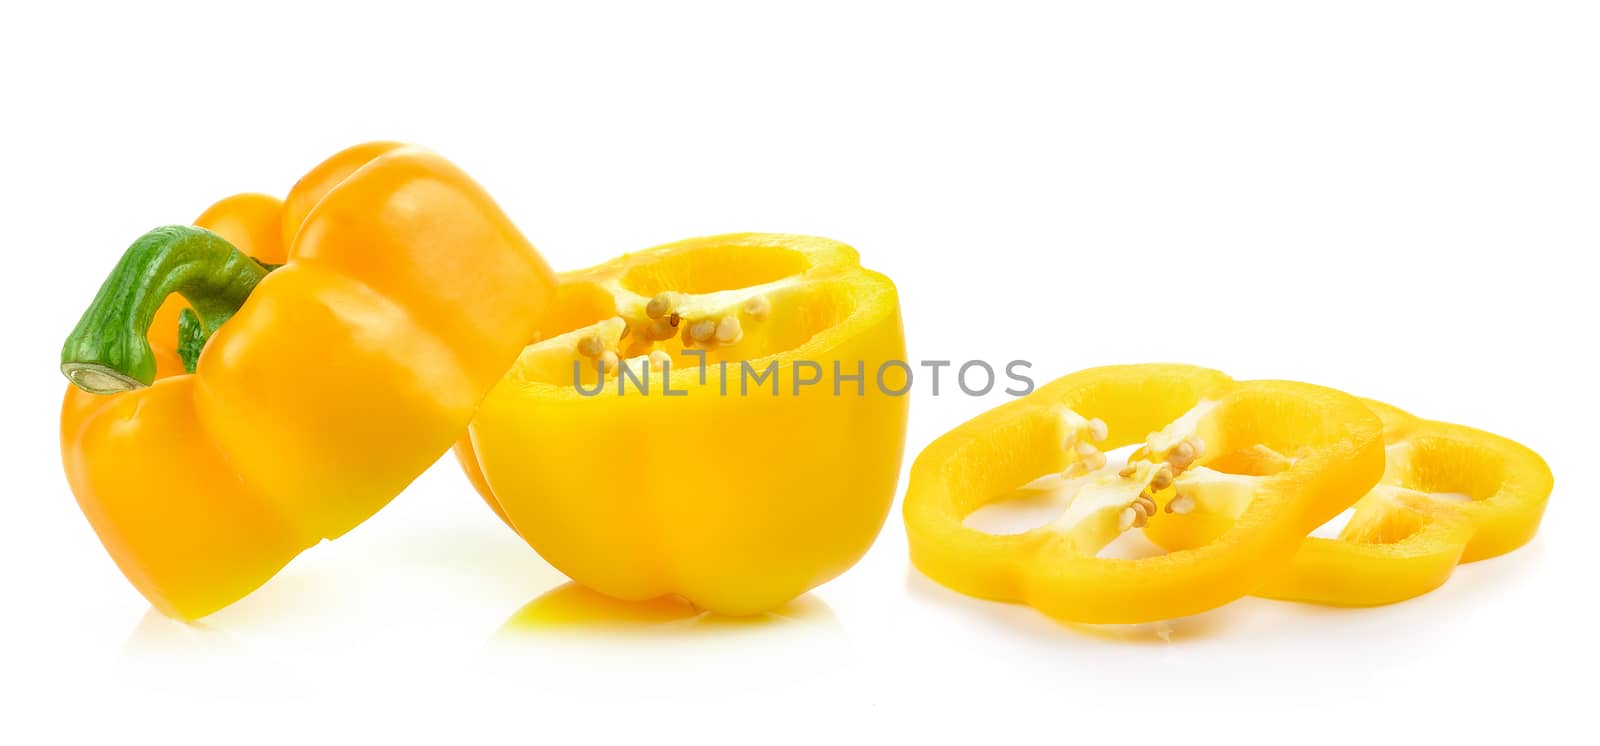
point(108, 352)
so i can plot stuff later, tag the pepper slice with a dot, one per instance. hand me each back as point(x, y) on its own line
point(320, 390)
point(1450, 494)
point(1190, 414)
point(674, 478)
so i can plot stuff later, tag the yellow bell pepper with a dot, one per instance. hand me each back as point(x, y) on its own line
point(1190, 414)
point(1450, 494)
point(737, 484)
point(320, 390)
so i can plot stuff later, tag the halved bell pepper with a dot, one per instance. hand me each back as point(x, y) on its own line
point(1449, 494)
point(737, 484)
point(320, 389)
point(1184, 417)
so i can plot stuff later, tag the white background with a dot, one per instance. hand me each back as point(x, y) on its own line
point(1397, 199)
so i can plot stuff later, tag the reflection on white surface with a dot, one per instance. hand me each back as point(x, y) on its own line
point(1273, 640)
point(593, 639)
point(574, 608)
point(158, 635)
point(1009, 618)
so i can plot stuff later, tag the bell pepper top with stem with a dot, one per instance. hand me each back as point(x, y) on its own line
point(109, 352)
point(319, 388)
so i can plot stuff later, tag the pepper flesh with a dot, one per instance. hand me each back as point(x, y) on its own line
point(1055, 568)
point(1405, 538)
point(737, 499)
point(405, 294)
